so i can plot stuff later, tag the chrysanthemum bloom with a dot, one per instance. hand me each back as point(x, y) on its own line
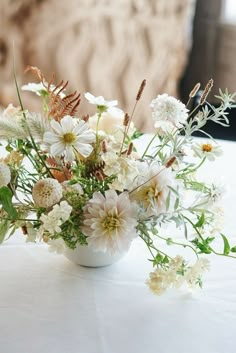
point(168, 113)
point(69, 135)
point(5, 175)
point(153, 191)
point(109, 222)
point(47, 192)
point(208, 150)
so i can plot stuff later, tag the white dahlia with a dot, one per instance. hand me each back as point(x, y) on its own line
point(47, 192)
point(154, 189)
point(69, 135)
point(168, 113)
point(5, 175)
point(109, 222)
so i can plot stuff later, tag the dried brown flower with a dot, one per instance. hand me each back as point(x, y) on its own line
point(194, 90)
point(206, 91)
point(170, 162)
point(140, 91)
point(126, 119)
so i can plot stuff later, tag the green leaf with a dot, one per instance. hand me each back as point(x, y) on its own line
point(136, 135)
point(233, 249)
point(226, 244)
point(200, 221)
point(6, 201)
point(4, 227)
point(165, 260)
point(176, 203)
point(168, 201)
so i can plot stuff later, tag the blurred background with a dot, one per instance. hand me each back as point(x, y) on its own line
point(108, 47)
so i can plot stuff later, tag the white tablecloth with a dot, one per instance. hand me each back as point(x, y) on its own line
point(50, 305)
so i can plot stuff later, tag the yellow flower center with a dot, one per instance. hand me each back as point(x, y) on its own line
point(207, 147)
point(153, 193)
point(110, 223)
point(69, 137)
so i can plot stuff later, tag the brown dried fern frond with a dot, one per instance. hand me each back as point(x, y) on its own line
point(58, 106)
point(59, 172)
point(35, 70)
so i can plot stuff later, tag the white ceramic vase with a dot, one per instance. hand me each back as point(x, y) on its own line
point(85, 256)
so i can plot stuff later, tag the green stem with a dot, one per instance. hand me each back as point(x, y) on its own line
point(195, 228)
point(180, 244)
point(97, 137)
point(192, 170)
point(149, 144)
point(31, 138)
point(151, 246)
point(19, 219)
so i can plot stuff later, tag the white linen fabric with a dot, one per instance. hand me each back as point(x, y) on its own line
point(50, 305)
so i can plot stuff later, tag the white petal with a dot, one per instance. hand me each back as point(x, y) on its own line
point(50, 137)
point(90, 97)
point(84, 149)
point(67, 124)
point(70, 156)
point(87, 137)
point(57, 127)
point(111, 103)
point(80, 127)
point(57, 149)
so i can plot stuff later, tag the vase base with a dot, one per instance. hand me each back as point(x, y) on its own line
point(84, 256)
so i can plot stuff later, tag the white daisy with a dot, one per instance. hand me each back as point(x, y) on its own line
point(207, 149)
point(37, 88)
point(104, 105)
point(69, 135)
point(40, 90)
point(168, 113)
point(109, 222)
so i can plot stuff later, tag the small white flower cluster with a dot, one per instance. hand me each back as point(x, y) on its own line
point(168, 113)
point(177, 274)
point(54, 219)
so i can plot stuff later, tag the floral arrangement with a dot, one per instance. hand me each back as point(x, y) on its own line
point(69, 180)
